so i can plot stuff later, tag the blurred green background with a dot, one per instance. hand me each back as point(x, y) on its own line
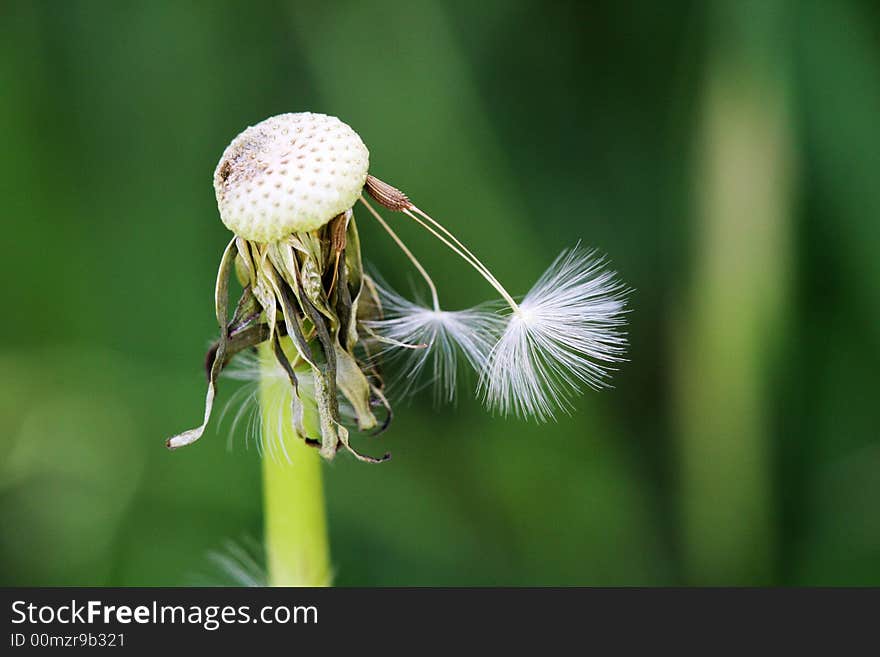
point(725, 155)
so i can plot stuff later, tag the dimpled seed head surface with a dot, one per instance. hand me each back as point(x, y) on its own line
point(289, 173)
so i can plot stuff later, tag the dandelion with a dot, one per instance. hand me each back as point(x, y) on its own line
point(323, 329)
point(286, 187)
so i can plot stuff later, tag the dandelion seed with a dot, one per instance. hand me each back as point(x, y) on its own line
point(565, 333)
point(438, 339)
point(286, 188)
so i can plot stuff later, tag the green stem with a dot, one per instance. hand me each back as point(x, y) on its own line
point(295, 521)
point(735, 313)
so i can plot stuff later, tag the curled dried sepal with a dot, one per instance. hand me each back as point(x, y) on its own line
point(308, 288)
point(305, 303)
point(297, 409)
point(221, 301)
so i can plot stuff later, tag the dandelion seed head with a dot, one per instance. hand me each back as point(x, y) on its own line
point(567, 333)
point(290, 173)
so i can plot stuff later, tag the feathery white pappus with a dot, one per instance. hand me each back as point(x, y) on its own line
point(565, 333)
point(417, 336)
